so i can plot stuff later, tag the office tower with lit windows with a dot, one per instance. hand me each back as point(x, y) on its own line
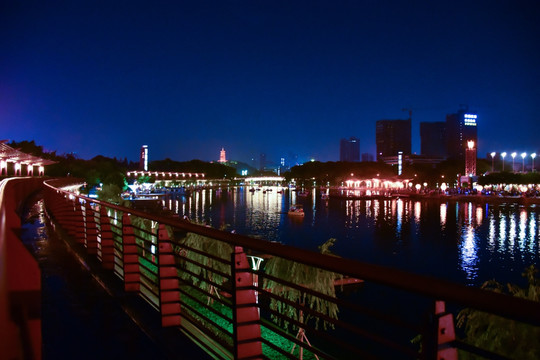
point(393, 136)
point(349, 150)
point(433, 139)
point(460, 128)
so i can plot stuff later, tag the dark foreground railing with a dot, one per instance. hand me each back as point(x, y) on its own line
point(245, 298)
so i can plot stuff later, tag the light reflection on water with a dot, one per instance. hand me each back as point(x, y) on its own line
point(465, 242)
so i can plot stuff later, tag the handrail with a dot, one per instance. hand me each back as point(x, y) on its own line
point(215, 297)
point(20, 276)
point(508, 306)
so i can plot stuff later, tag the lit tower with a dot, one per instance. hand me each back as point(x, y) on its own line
point(222, 156)
point(470, 159)
point(143, 160)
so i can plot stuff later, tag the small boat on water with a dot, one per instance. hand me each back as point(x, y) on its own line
point(296, 210)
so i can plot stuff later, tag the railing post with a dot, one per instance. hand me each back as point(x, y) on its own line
point(62, 211)
point(246, 320)
point(107, 240)
point(446, 333)
point(91, 230)
point(169, 285)
point(439, 334)
point(132, 271)
point(78, 224)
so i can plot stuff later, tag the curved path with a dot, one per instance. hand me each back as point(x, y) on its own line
point(81, 320)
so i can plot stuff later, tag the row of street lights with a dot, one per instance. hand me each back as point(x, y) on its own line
point(513, 155)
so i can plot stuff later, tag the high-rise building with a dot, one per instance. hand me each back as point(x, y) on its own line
point(460, 128)
point(393, 136)
point(143, 159)
point(349, 149)
point(367, 157)
point(433, 139)
point(262, 162)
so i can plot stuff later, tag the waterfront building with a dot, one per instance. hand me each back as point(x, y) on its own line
point(460, 128)
point(143, 159)
point(16, 163)
point(349, 150)
point(433, 139)
point(393, 136)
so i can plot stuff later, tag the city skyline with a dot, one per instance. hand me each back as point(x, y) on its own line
point(276, 78)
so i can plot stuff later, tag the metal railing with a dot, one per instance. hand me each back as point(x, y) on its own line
point(203, 281)
point(20, 276)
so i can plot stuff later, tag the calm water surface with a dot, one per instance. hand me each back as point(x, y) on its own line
point(459, 241)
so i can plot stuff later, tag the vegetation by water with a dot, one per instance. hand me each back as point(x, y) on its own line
point(503, 336)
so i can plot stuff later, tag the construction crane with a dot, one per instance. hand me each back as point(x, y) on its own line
point(409, 110)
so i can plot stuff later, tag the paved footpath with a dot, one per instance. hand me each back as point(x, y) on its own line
point(80, 317)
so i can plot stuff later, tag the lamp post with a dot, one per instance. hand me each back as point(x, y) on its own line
point(492, 161)
point(503, 155)
point(523, 154)
point(533, 155)
point(513, 157)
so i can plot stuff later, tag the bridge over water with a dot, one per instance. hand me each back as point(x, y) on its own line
point(183, 284)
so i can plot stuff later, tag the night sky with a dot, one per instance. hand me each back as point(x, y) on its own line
point(282, 78)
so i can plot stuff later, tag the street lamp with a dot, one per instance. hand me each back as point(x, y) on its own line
point(492, 161)
point(513, 157)
point(533, 155)
point(523, 154)
point(503, 155)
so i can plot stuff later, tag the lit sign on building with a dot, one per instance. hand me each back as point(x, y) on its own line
point(400, 163)
point(469, 120)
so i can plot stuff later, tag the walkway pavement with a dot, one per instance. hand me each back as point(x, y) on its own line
point(87, 315)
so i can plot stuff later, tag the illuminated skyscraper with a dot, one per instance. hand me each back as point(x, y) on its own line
point(349, 150)
point(143, 160)
point(460, 128)
point(393, 136)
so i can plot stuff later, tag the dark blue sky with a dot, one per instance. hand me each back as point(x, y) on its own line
point(274, 77)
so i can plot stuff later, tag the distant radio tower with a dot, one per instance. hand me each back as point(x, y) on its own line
point(222, 156)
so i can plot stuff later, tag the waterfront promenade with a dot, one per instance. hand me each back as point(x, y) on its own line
point(86, 314)
point(230, 327)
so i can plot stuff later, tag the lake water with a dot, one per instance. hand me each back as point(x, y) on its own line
point(460, 241)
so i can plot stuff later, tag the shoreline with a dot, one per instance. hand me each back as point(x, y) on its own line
point(481, 199)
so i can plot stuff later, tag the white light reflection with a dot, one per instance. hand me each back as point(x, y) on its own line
point(417, 211)
point(369, 206)
point(532, 232)
point(469, 254)
point(502, 232)
point(376, 208)
point(399, 216)
point(522, 230)
point(443, 212)
point(479, 215)
point(491, 234)
point(512, 235)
